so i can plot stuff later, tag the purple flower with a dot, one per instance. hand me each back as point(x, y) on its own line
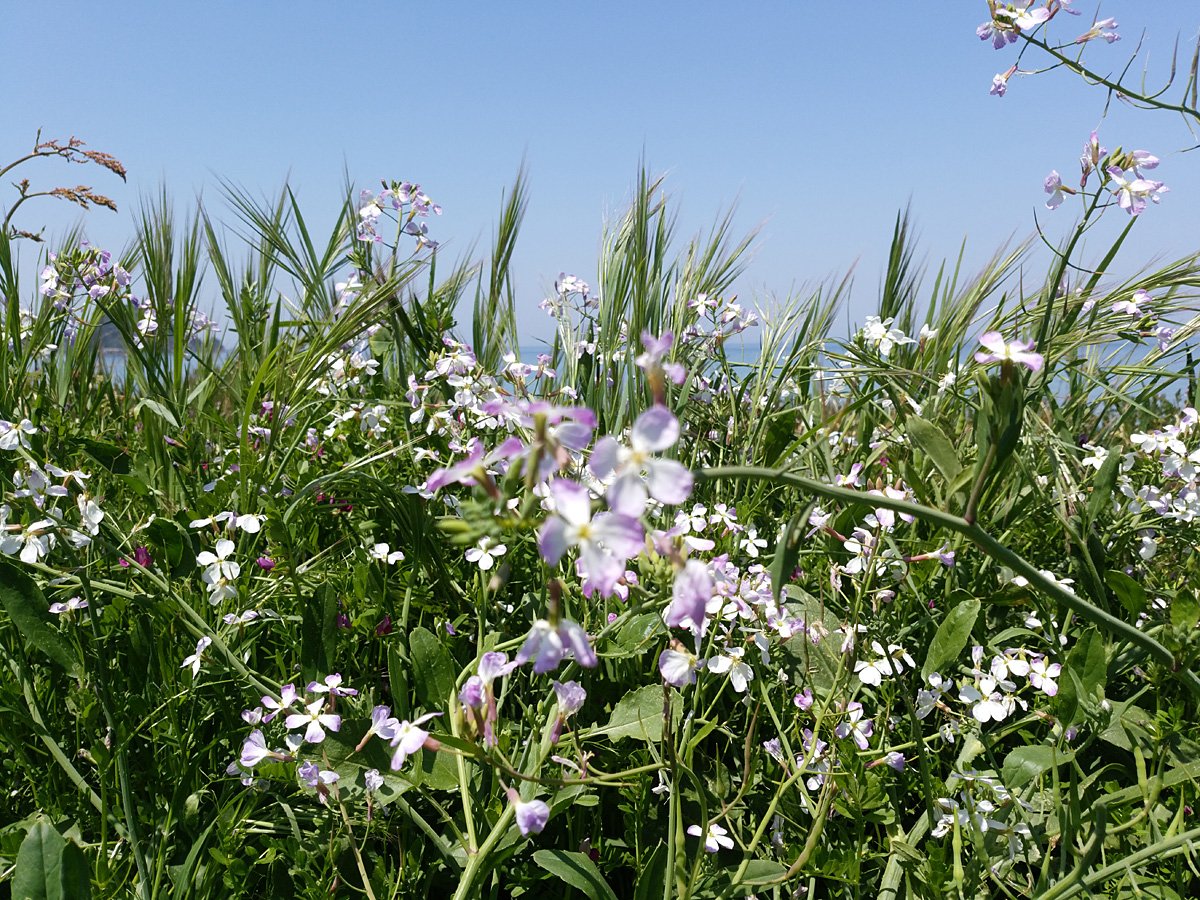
point(465, 471)
point(1007, 353)
point(856, 726)
point(1100, 29)
point(1054, 187)
point(894, 759)
point(677, 666)
point(570, 696)
point(638, 474)
point(1133, 192)
point(382, 724)
point(547, 644)
point(254, 750)
point(605, 542)
point(651, 362)
point(408, 738)
point(265, 563)
point(317, 778)
point(689, 599)
point(141, 556)
point(331, 685)
point(493, 665)
point(532, 815)
point(287, 698)
point(473, 694)
point(315, 720)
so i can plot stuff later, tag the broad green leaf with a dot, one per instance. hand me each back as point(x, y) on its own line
point(1024, 764)
point(175, 552)
point(951, 637)
point(577, 870)
point(49, 867)
point(633, 637)
point(1131, 594)
point(639, 715)
point(819, 661)
point(934, 444)
point(1185, 611)
point(351, 765)
point(112, 457)
point(436, 771)
point(432, 668)
point(651, 875)
point(762, 871)
point(30, 613)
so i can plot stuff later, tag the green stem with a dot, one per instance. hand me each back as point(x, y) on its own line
point(1080, 69)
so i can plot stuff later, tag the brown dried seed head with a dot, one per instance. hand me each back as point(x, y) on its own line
point(106, 160)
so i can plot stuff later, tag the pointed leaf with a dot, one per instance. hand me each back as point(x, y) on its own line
point(951, 637)
point(28, 610)
point(577, 870)
point(934, 444)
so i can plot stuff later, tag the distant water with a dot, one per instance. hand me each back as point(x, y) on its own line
point(737, 352)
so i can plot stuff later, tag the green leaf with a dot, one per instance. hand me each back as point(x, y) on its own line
point(952, 636)
point(1089, 661)
point(787, 551)
point(821, 661)
point(49, 867)
point(577, 870)
point(1024, 764)
point(351, 764)
point(1102, 488)
point(30, 613)
point(934, 444)
point(639, 715)
point(652, 875)
point(112, 457)
point(314, 659)
point(762, 871)
point(1131, 594)
point(1185, 611)
point(158, 409)
point(432, 668)
point(174, 545)
point(634, 635)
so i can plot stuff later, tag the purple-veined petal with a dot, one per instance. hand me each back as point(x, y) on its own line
point(571, 501)
point(627, 495)
point(552, 540)
point(605, 457)
point(621, 534)
point(669, 481)
point(655, 430)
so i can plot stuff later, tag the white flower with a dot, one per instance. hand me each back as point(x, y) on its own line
point(384, 553)
point(882, 336)
point(15, 434)
point(484, 555)
point(752, 543)
point(730, 661)
point(715, 837)
point(195, 659)
point(220, 571)
point(32, 543)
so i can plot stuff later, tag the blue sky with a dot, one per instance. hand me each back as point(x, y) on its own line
point(819, 121)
